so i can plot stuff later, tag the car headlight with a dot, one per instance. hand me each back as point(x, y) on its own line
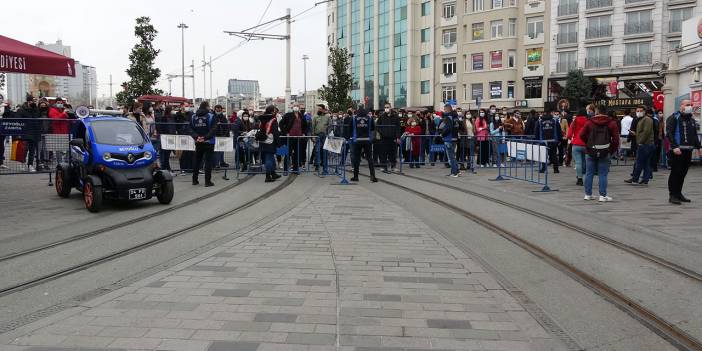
point(147, 155)
point(106, 156)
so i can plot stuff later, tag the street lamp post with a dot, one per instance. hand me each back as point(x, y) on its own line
point(182, 27)
point(304, 92)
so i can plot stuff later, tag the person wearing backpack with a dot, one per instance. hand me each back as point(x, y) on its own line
point(681, 131)
point(268, 139)
point(204, 126)
point(644, 136)
point(601, 136)
point(549, 130)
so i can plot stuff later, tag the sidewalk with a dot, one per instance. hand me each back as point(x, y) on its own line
point(344, 264)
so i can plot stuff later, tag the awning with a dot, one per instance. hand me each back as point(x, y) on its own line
point(165, 99)
point(18, 57)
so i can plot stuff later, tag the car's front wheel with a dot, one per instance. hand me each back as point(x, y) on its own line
point(63, 181)
point(164, 194)
point(92, 194)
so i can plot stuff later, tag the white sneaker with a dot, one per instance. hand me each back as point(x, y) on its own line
point(588, 198)
point(31, 169)
point(394, 170)
point(454, 175)
point(4, 167)
point(605, 199)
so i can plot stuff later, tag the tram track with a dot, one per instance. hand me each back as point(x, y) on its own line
point(141, 246)
point(132, 221)
point(677, 337)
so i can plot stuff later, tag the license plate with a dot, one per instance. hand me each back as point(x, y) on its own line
point(137, 194)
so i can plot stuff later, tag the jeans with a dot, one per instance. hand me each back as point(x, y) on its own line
point(643, 162)
point(579, 157)
point(602, 165)
point(269, 161)
point(679, 165)
point(451, 154)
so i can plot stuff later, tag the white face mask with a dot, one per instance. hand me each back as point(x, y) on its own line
point(414, 124)
point(639, 114)
point(460, 114)
point(688, 109)
point(296, 109)
point(387, 110)
point(497, 118)
point(482, 114)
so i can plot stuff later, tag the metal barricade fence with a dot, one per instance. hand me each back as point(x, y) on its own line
point(528, 161)
point(337, 156)
point(292, 153)
point(33, 145)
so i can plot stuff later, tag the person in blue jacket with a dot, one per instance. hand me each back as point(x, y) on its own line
point(549, 130)
point(204, 127)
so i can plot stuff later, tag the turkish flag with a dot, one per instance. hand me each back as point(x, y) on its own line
point(658, 100)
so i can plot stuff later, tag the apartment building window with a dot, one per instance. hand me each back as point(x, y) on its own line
point(449, 37)
point(425, 61)
point(638, 22)
point(426, 35)
point(496, 4)
point(449, 9)
point(478, 31)
point(567, 61)
point(425, 87)
point(597, 57)
point(496, 89)
point(675, 44)
point(495, 59)
point(426, 8)
point(476, 90)
point(478, 5)
point(568, 7)
point(510, 89)
point(513, 3)
point(535, 26)
point(677, 17)
point(448, 93)
point(449, 66)
point(478, 62)
point(496, 29)
point(512, 27)
point(568, 33)
point(593, 4)
point(511, 58)
point(637, 54)
point(532, 89)
point(599, 27)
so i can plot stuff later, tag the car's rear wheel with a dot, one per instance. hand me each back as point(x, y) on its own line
point(92, 194)
point(63, 181)
point(164, 194)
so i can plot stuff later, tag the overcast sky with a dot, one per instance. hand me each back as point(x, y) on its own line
point(101, 34)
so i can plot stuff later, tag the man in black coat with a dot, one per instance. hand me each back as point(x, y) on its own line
point(390, 131)
point(293, 126)
point(204, 126)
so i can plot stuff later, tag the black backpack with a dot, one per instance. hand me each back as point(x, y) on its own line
point(599, 141)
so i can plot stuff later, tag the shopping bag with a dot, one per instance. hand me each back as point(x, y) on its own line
point(19, 151)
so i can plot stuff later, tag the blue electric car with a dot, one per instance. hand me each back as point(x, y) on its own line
point(112, 158)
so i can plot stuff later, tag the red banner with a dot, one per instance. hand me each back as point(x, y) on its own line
point(658, 100)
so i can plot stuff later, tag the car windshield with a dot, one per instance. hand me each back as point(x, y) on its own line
point(121, 133)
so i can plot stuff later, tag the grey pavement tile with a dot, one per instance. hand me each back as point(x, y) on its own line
point(448, 324)
point(231, 292)
point(401, 235)
point(313, 282)
point(233, 346)
point(211, 269)
point(284, 301)
point(275, 317)
point(44, 348)
point(311, 339)
point(156, 284)
point(247, 326)
point(381, 297)
point(156, 305)
point(420, 280)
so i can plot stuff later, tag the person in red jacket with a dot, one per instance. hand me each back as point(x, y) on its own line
point(579, 146)
point(60, 124)
point(601, 136)
point(412, 129)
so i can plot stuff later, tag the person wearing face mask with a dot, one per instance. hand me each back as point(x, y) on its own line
point(530, 124)
point(482, 136)
point(292, 127)
point(413, 143)
point(390, 131)
point(428, 130)
point(578, 145)
point(625, 128)
point(499, 148)
point(681, 131)
point(359, 130)
point(646, 147)
point(59, 123)
point(320, 127)
point(549, 130)
point(240, 127)
point(29, 111)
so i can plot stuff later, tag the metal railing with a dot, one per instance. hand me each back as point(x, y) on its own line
point(598, 32)
point(638, 27)
point(594, 4)
point(567, 38)
point(639, 59)
point(527, 161)
point(598, 62)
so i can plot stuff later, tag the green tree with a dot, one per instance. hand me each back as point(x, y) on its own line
point(338, 88)
point(578, 89)
point(142, 73)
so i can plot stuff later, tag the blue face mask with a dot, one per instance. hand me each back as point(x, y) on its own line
point(590, 114)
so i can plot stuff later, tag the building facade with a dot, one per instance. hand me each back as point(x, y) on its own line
point(490, 52)
point(79, 90)
point(624, 45)
point(385, 39)
point(243, 94)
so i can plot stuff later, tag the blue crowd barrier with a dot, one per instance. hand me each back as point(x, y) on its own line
point(528, 161)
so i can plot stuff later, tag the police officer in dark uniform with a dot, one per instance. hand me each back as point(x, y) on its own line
point(360, 130)
point(204, 127)
point(549, 130)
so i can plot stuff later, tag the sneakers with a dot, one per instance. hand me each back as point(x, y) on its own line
point(453, 175)
point(31, 169)
point(4, 167)
point(605, 198)
point(588, 198)
point(208, 184)
point(629, 181)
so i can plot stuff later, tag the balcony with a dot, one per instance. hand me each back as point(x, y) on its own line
point(638, 28)
point(451, 21)
point(565, 67)
point(598, 32)
point(567, 38)
point(568, 9)
point(529, 39)
point(448, 78)
point(531, 7)
point(675, 26)
point(533, 71)
point(598, 62)
point(448, 49)
point(638, 59)
point(596, 4)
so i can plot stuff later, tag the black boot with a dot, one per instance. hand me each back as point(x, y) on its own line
point(674, 200)
point(275, 175)
point(579, 182)
point(555, 170)
point(373, 179)
point(355, 175)
point(269, 177)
